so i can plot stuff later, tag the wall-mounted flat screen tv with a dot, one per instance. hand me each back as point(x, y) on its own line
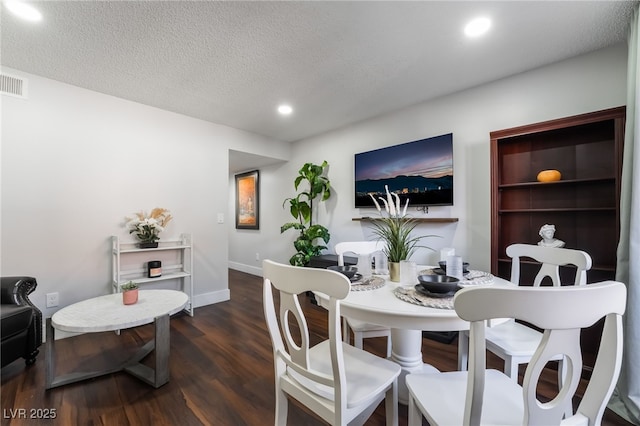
point(421, 171)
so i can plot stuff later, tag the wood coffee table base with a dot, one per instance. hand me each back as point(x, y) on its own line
point(154, 377)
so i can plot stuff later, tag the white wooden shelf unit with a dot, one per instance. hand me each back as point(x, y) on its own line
point(129, 263)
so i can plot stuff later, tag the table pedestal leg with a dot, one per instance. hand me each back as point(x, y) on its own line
point(155, 377)
point(50, 354)
point(159, 375)
point(407, 352)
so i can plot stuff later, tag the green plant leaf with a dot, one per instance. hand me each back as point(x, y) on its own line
point(318, 231)
point(304, 211)
point(294, 225)
point(327, 194)
point(396, 233)
point(297, 259)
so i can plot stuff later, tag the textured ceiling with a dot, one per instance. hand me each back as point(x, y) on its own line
point(336, 62)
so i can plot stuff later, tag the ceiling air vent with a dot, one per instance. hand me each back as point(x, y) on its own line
point(13, 86)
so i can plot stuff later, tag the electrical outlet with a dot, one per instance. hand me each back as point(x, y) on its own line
point(257, 256)
point(52, 300)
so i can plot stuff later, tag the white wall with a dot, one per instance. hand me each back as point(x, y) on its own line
point(76, 162)
point(583, 84)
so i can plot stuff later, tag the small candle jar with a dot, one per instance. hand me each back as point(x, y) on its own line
point(154, 268)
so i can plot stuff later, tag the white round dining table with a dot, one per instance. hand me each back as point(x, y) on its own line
point(406, 321)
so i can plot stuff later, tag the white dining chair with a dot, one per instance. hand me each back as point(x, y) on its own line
point(480, 396)
point(340, 383)
point(361, 330)
point(513, 341)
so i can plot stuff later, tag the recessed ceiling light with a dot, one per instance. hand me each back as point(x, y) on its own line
point(285, 109)
point(24, 11)
point(477, 27)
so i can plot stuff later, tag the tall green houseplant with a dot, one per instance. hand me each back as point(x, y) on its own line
point(301, 208)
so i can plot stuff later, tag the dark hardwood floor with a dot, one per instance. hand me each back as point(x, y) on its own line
point(221, 372)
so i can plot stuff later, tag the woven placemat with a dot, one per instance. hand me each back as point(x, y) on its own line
point(365, 284)
point(409, 294)
point(472, 277)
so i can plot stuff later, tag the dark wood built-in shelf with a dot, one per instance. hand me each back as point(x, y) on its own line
point(560, 210)
point(584, 205)
point(560, 182)
point(417, 219)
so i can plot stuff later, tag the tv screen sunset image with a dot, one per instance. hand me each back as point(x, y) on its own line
point(421, 171)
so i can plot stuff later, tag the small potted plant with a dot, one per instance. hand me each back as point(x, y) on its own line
point(129, 293)
point(147, 227)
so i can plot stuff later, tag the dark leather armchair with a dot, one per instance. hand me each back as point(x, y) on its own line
point(21, 320)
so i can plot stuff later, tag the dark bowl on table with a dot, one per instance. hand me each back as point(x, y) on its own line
point(443, 266)
point(348, 271)
point(438, 283)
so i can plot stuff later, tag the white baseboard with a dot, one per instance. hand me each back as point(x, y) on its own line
point(211, 298)
point(59, 334)
point(253, 270)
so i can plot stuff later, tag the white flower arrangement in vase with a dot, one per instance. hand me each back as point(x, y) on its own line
point(148, 227)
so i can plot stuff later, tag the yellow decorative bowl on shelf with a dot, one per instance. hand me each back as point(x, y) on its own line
point(549, 176)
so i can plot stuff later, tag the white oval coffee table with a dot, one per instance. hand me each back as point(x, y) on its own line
point(108, 313)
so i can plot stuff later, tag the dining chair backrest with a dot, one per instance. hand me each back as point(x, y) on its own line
point(341, 384)
point(551, 259)
point(361, 329)
point(359, 248)
point(561, 312)
point(290, 281)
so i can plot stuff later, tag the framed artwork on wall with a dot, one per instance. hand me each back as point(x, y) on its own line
point(248, 200)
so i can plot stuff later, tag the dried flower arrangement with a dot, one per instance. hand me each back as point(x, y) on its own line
point(147, 227)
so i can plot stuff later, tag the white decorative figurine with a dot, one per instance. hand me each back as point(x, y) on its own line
point(547, 232)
